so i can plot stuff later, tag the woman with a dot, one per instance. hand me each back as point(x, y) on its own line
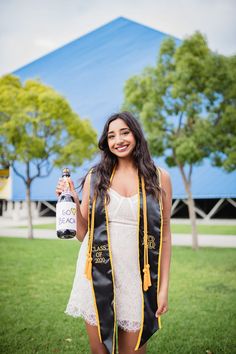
point(122, 274)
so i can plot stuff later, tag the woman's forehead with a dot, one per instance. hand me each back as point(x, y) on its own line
point(117, 125)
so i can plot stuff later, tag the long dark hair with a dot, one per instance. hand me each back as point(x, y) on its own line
point(141, 156)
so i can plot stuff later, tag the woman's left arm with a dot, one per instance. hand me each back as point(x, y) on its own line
point(166, 244)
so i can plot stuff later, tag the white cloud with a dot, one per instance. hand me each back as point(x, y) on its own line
point(45, 43)
point(31, 28)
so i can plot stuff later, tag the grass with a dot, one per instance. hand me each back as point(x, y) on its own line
point(36, 280)
point(205, 229)
point(176, 228)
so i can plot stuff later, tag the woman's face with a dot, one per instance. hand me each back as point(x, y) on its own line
point(120, 138)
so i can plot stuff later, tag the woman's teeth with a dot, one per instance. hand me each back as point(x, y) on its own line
point(122, 148)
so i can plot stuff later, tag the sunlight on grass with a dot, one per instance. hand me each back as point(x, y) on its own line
point(36, 280)
point(205, 229)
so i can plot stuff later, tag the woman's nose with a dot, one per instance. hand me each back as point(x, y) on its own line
point(119, 139)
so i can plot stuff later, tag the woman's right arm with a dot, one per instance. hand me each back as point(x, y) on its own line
point(82, 208)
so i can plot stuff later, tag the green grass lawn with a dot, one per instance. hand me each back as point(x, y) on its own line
point(177, 229)
point(205, 229)
point(36, 280)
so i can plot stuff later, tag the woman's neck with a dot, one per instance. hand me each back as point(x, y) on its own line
point(125, 164)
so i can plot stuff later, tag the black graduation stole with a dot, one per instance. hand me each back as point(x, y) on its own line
point(99, 265)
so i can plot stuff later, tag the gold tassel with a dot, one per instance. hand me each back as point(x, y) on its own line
point(147, 277)
point(88, 268)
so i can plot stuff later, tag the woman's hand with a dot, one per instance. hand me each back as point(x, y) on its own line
point(162, 303)
point(61, 186)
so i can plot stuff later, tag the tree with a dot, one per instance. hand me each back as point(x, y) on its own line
point(180, 102)
point(224, 116)
point(39, 129)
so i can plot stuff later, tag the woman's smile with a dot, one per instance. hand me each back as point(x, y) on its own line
point(122, 148)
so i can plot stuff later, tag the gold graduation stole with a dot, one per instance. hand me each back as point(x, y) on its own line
point(99, 265)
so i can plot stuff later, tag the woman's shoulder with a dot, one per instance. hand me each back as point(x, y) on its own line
point(164, 175)
point(163, 171)
point(91, 171)
point(87, 178)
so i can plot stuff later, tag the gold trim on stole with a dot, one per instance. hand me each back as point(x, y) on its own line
point(142, 321)
point(90, 241)
point(160, 246)
point(112, 272)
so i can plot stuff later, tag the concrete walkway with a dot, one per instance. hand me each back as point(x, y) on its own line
point(227, 241)
point(177, 239)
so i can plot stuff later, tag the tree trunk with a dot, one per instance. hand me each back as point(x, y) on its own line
point(28, 185)
point(191, 204)
point(192, 216)
point(30, 224)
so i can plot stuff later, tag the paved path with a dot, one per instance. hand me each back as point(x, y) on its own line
point(177, 239)
point(205, 240)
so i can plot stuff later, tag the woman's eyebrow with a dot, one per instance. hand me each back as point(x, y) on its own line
point(111, 131)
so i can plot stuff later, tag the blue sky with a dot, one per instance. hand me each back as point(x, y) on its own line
point(32, 28)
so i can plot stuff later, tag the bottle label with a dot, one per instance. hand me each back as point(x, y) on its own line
point(66, 216)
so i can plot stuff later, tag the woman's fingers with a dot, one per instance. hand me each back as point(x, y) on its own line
point(71, 183)
point(161, 310)
point(60, 186)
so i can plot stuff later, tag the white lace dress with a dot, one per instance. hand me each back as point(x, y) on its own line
point(122, 213)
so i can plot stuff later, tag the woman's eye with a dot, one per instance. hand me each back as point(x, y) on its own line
point(125, 133)
point(110, 136)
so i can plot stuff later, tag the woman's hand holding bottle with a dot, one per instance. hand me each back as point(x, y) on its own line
point(62, 185)
point(66, 208)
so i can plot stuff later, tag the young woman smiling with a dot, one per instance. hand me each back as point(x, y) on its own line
point(122, 274)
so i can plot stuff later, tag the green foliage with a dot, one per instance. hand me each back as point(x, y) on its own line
point(224, 116)
point(38, 125)
point(187, 103)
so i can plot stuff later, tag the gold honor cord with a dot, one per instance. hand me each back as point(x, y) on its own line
point(89, 229)
point(147, 278)
point(88, 266)
point(142, 321)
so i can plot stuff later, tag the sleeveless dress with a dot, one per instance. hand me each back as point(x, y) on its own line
point(123, 219)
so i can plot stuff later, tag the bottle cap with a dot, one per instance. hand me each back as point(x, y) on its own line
point(65, 172)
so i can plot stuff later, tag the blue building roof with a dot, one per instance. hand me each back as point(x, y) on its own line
point(90, 72)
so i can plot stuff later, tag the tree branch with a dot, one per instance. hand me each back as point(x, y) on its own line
point(49, 170)
point(18, 173)
point(180, 121)
point(190, 174)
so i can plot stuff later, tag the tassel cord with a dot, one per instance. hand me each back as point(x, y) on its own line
point(147, 277)
point(89, 258)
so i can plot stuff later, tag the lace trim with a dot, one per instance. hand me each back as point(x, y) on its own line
point(129, 326)
point(76, 312)
point(126, 325)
